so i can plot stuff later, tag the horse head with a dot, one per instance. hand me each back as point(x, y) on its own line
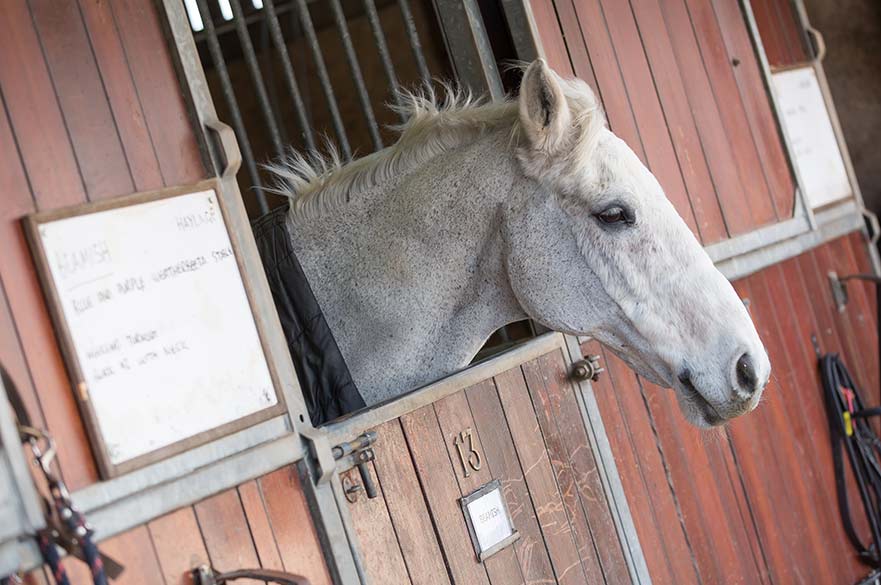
point(594, 247)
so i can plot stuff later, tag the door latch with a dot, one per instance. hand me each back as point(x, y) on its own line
point(357, 453)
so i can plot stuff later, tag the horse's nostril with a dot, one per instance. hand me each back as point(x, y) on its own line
point(746, 374)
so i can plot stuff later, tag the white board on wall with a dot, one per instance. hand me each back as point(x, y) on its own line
point(811, 137)
point(159, 331)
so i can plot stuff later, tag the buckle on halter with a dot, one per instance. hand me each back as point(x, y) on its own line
point(65, 526)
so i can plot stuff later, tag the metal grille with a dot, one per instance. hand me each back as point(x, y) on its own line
point(285, 74)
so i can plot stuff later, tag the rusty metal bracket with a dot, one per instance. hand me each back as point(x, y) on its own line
point(838, 284)
point(818, 43)
point(327, 460)
point(351, 488)
point(229, 147)
point(839, 291)
point(357, 453)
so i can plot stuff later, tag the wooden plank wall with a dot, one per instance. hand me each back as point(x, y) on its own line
point(781, 34)
point(528, 431)
point(91, 109)
point(262, 523)
point(681, 84)
point(753, 502)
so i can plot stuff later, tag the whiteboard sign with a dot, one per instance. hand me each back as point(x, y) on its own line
point(811, 137)
point(489, 522)
point(155, 322)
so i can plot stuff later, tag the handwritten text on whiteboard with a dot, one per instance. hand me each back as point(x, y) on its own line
point(159, 319)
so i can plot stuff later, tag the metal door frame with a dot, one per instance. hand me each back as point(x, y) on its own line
point(307, 447)
point(21, 508)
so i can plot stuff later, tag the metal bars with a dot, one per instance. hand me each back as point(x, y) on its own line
point(324, 78)
point(229, 96)
point(312, 69)
point(288, 71)
point(357, 77)
point(415, 43)
point(256, 75)
point(469, 47)
point(382, 47)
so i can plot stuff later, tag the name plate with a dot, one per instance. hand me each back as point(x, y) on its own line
point(489, 522)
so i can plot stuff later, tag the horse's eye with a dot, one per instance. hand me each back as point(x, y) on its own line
point(614, 215)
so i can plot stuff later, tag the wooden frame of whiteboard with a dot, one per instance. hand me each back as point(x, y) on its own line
point(106, 467)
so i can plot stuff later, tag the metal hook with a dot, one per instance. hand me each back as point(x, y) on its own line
point(838, 285)
point(43, 456)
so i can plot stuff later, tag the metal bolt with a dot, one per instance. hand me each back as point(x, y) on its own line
point(587, 369)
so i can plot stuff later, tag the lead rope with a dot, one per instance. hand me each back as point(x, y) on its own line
point(75, 525)
point(52, 559)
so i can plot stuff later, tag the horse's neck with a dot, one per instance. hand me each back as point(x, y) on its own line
point(410, 275)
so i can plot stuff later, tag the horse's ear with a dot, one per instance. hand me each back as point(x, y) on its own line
point(544, 111)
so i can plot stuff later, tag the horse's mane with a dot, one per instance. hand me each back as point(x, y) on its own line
point(319, 180)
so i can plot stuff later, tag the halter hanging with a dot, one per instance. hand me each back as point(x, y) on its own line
point(66, 527)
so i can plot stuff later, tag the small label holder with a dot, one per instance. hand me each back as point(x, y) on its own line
point(499, 504)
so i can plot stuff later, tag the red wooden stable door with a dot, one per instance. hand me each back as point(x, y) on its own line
point(522, 426)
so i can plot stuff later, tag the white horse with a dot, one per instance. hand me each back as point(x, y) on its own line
point(481, 215)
